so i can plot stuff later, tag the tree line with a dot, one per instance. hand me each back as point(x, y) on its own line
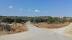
point(50, 19)
point(17, 20)
point(37, 19)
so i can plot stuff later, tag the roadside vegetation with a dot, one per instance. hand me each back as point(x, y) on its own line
point(51, 22)
point(12, 25)
point(52, 25)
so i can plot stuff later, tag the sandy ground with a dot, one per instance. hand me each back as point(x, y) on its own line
point(35, 33)
point(67, 30)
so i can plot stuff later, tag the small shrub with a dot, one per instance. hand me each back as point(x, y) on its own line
point(18, 20)
point(7, 27)
point(1, 27)
point(51, 20)
point(25, 20)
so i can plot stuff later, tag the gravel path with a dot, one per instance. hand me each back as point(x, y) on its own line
point(35, 33)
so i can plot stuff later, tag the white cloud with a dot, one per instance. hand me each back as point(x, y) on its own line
point(36, 11)
point(10, 6)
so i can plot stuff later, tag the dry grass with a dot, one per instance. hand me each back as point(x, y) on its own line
point(15, 28)
point(18, 28)
point(53, 25)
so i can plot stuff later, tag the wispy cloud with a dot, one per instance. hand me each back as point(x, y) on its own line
point(21, 9)
point(10, 6)
point(36, 11)
point(29, 10)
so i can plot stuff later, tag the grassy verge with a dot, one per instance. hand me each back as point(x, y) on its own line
point(13, 28)
point(52, 25)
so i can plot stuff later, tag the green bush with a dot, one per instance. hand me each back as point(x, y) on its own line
point(50, 20)
point(7, 27)
point(20, 20)
point(25, 20)
point(37, 19)
point(9, 20)
point(1, 27)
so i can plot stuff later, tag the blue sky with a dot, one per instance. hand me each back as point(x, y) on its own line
point(55, 8)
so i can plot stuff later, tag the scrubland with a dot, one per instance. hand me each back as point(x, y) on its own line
point(13, 28)
point(52, 25)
